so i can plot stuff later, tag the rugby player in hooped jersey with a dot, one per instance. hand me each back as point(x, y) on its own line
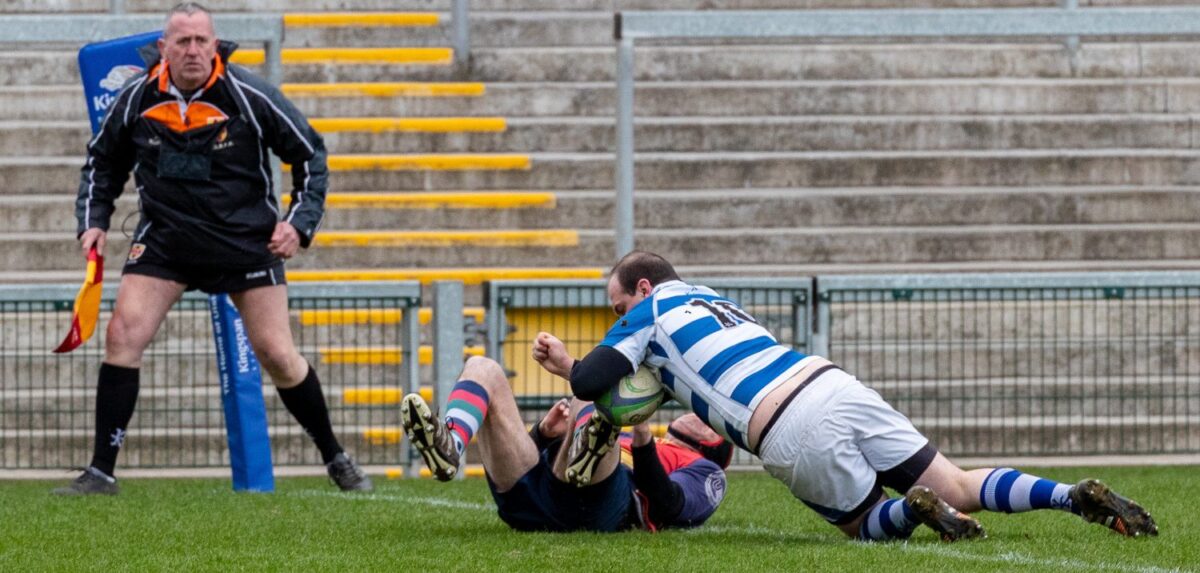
point(676, 483)
point(831, 440)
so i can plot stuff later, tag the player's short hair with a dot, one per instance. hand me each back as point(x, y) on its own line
point(188, 8)
point(638, 265)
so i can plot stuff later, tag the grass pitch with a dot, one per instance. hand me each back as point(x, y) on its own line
point(420, 525)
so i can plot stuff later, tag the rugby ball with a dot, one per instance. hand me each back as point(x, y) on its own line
point(633, 399)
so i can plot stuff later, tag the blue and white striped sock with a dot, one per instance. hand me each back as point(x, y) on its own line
point(892, 519)
point(1011, 491)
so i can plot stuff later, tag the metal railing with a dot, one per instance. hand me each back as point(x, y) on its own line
point(1068, 23)
point(985, 365)
point(578, 312)
point(1028, 364)
point(266, 29)
point(362, 338)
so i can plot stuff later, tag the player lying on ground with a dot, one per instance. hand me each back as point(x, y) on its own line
point(526, 469)
point(831, 440)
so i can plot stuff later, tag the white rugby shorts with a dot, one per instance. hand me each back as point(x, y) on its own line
point(831, 441)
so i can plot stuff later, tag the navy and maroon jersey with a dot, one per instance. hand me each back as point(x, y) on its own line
point(697, 485)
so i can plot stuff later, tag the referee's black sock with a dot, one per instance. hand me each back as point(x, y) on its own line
point(307, 404)
point(116, 396)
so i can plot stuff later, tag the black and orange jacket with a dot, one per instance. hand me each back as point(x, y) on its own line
point(201, 165)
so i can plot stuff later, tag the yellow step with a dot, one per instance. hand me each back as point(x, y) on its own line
point(428, 162)
point(385, 89)
point(376, 355)
point(383, 436)
point(428, 56)
point(359, 19)
point(471, 276)
point(375, 316)
point(462, 200)
point(380, 396)
point(516, 238)
point(409, 124)
point(471, 471)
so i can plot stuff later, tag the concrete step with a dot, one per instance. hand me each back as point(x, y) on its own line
point(1009, 318)
point(769, 208)
point(488, 30)
point(1042, 395)
point(93, 6)
point(171, 404)
point(475, 276)
point(990, 436)
point(652, 99)
point(883, 97)
point(191, 331)
point(63, 409)
point(757, 63)
point(172, 366)
point(719, 63)
point(705, 134)
point(1019, 436)
point(751, 246)
point(567, 171)
point(825, 133)
point(165, 446)
point(1167, 356)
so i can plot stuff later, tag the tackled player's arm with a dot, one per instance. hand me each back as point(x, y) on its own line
point(600, 370)
point(664, 497)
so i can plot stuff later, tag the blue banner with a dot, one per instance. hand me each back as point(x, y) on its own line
point(241, 393)
point(105, 67)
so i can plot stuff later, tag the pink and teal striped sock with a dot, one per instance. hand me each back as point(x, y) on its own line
point(465, 411)
point(585, 414)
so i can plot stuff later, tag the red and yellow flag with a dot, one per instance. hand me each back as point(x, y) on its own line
point(87, 305)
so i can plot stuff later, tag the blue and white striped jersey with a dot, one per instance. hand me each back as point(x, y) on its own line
point(714, 357)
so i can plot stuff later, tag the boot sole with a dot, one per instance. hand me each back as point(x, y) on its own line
point(420, 428)
point(949, 526)
point(581, 469)
point(1121, 515)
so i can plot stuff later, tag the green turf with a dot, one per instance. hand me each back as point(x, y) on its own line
point(194, 525)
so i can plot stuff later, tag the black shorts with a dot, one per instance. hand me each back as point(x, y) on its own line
point(212, 280)
point(900, 478)
point(540, 502)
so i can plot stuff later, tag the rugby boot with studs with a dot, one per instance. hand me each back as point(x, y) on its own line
point(347, 475)
point(91, 482)
point(949, 523)
point(1097, 503)
point(589, 445)
point(430, 437)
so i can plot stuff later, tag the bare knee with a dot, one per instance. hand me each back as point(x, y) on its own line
point(485, 372)
point(281, 361)
point(955, 486)
point(125, 341)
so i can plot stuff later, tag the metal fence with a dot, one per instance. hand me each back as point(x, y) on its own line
point(985, 365)
point(1037, 364)
point(360, 337)
point(578, 312)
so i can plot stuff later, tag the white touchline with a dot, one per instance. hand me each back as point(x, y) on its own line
point(434, 501)
point(1008, 557)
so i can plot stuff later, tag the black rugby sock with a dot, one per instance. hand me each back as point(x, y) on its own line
point(116, 397)
point(307, 404)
